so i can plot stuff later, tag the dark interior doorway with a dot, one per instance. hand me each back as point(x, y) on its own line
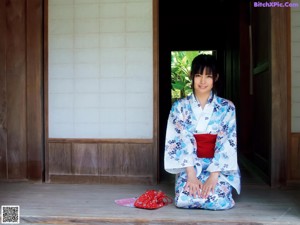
point(222, 25)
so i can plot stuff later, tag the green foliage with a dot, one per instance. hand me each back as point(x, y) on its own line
point(180, 73)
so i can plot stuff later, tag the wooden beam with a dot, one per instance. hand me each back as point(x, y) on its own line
point(46, 118)
point(3, 93)
point(34, 83)
point(104, 140)
point(156, 159)
point(16, 89)
point(280, 60)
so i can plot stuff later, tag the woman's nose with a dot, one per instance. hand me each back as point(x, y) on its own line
point(202, 79)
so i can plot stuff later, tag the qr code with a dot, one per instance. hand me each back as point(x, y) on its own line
point(10, 214)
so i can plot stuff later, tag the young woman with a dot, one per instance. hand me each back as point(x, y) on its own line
point(203, 181)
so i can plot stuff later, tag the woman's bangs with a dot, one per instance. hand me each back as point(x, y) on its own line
point(208, 70)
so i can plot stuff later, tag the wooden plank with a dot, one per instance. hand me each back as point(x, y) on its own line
point(138, 159)
point(16, 89)
point(156, 160)
point(3, 93)
point(35, 146)
point(123, 221)
point(110, 159)
point(64, 204)
point(280, 58)
point(91, 140)
point(289, 101)
point(85, 159)
point(60, 158)
point(294, 159)
point(100, 163)
point(46, 118)
point(107, 179)
point(125, 159)
point(74, 179)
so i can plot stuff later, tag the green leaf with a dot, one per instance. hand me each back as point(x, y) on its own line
point(178, 85)
point(180, 73)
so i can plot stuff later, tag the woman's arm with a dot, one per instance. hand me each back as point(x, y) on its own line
point(225, 157)
point(179, 145)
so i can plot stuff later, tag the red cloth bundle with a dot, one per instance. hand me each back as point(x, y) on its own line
point(152, 199)
point(205, 145)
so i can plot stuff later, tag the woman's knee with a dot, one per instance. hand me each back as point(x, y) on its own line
point(220, 204)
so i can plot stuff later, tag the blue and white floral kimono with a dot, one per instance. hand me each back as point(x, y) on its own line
point(188, 118)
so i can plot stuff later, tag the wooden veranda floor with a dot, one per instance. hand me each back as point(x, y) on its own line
point(42, 203)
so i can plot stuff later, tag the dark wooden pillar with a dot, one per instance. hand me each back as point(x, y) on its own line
point(34, 82)
point(21, 100)
point(3, 104)
point(16, 89)
point(281, 71)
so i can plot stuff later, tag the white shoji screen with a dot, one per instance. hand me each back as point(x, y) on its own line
point(100, 69)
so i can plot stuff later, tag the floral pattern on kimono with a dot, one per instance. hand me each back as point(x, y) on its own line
point(187, 118)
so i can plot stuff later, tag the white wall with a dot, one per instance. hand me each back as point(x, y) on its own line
point(100, 69)
point(295, 29)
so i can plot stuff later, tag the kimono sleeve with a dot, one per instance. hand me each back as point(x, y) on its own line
point(225, 158)
point(180, 142)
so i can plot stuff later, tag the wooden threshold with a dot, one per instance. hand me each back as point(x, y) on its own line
point(125, 221)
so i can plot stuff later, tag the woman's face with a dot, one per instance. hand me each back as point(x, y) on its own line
point(203, 83)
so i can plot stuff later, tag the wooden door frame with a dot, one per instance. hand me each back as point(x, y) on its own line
point(281, 64)
point(21, 88)
point(279, 28)
point(155, 25)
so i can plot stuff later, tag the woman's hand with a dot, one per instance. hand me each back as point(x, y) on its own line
point(210, 184)
point(193, 184)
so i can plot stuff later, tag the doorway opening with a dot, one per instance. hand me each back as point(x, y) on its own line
point(224, 27)
point(180, 72)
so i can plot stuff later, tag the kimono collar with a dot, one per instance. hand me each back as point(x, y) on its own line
point(210, 98)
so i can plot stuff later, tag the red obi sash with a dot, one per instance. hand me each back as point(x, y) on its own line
point(205, 145)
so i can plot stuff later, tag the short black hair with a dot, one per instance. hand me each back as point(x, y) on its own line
point(202, 62)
